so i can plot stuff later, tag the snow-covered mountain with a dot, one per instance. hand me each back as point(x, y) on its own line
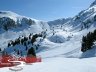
point(66, 35)
point(63, 31)
point(60, 50)
point(58, 21)
point(94, 3)
point(70, 30)
point(13, 26)
point(10, 20)
point(84, 19)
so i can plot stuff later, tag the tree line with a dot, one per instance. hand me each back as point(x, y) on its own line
point(88, 41)
point(25, 41)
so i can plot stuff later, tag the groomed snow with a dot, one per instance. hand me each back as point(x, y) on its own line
point(60, 64)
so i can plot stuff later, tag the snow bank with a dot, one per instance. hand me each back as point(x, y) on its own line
point(57, 39)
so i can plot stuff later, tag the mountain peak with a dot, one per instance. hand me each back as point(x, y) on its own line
point(8, 13)
point(94, 3)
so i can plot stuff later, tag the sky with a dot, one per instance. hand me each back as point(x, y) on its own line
point(45, 9)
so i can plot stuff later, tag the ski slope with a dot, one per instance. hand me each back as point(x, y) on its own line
point(60, 64)
point(60, 57)
point(61, 49)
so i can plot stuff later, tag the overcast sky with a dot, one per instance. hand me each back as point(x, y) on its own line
point(45, 9)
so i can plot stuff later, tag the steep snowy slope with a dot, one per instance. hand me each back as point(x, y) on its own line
point(13, 26)
point(10, 20)
point(84, 19)
point(94, 3)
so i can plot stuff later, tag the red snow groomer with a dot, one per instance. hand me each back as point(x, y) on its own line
point(6, 60)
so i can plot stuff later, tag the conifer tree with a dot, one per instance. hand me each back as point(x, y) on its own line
point(88, 41)
point(31, 52)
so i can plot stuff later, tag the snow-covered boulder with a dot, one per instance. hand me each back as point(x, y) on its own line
point(57, 38)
